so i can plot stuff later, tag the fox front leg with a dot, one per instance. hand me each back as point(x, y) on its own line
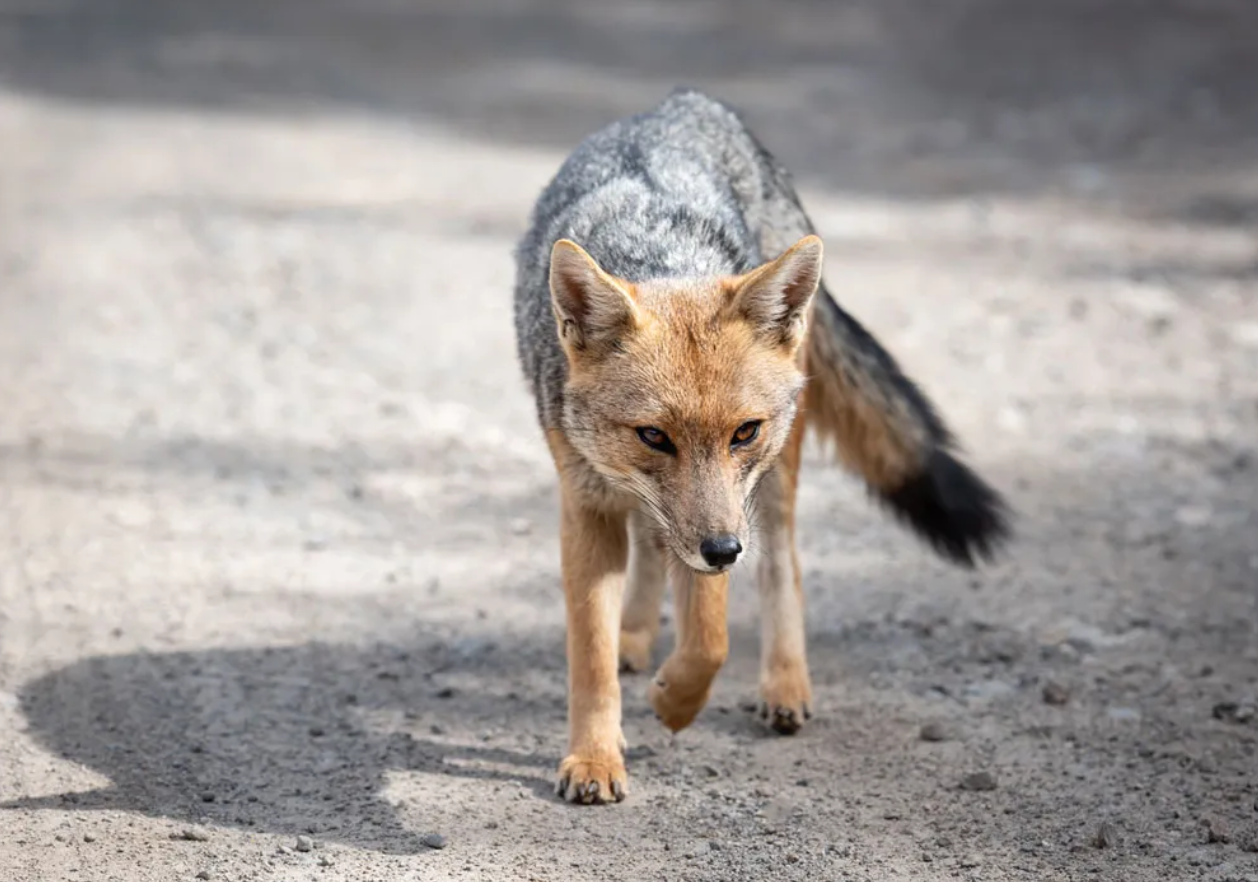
point(593, 549)
point(681, 687)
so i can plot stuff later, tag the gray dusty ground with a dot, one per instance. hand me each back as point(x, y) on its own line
point(279, 544)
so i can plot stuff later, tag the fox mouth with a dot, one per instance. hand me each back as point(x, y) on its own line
point(700, 567)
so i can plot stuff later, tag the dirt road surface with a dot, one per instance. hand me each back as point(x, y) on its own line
point(278, 557)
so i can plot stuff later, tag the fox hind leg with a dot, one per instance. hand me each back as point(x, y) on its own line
point(785, 686)
point(644, 592)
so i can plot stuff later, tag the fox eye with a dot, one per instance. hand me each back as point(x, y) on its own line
point(655, 439)
point(746, 433)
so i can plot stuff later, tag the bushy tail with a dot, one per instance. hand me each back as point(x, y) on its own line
point(888, 432)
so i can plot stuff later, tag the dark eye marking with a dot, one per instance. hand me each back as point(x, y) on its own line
point(745, 434)
point(656, 439)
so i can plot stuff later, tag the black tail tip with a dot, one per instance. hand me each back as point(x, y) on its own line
point(952, 508)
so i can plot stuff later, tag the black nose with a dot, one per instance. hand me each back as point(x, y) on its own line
point(722, 550)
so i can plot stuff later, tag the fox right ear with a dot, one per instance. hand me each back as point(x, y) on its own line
point(776, 296)
point(592, 308)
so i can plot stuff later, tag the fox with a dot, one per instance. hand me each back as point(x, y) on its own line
point(679, 340)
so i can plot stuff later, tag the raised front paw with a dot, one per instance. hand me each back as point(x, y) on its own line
point(592, 781)
point(677, 702)
point(785, 699)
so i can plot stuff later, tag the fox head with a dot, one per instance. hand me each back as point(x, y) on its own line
point(683, 392)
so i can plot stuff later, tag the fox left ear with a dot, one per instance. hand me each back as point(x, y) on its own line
point(592, 308)
point(775, 297)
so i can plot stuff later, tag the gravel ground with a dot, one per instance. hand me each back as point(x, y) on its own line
point(278, 587)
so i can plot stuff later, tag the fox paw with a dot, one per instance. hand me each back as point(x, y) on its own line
point(592, 781)
point(785, 699)
point(676, 707)
point(635, 649)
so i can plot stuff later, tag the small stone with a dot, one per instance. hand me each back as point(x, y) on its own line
point(639, 752)
point(316, 732)
point(1054, 693)
point(970, 861)
point(933, 731)
point(792, 858)
point(1105, 836)
point(205, 874)
point(325, 860)
point(712, 771)
point(434, 840)
point(979, 781)
point(445, 692)
point(208, 796)
point(89, 837)
point(191, 834)
point(1217, 832)
point(1234, 712)
point(1123, 714)
point(304, 843)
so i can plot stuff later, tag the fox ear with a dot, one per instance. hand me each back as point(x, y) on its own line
point(592, 308)
point(775, 296)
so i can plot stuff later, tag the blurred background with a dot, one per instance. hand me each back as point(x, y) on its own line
point(279, 531)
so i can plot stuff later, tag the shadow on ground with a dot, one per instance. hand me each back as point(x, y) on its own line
point(270, 738)
point(909, 98)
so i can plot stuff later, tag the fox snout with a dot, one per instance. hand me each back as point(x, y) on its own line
point(721, 550)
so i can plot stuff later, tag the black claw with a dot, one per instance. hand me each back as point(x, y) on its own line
point(562, 787)
point(764, 712)
point(807, 712)
point(592, 792)
point(618, 791)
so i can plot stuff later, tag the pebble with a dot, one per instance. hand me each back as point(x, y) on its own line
point(1054, 693)
point(933, 731)
point(1123, 714)
point(987, 690)
point(434, 840)
point(89, 837)
point(304, 843)
point(979, 781)
point(970, 861)
point(1234, 712)
point(191, 834)
point(1217, 832)
point(1106, 836)
point(205, 874)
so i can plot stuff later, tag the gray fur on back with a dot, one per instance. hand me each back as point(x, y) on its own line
point(683, 190)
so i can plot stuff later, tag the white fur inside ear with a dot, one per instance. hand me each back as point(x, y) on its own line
point(775, 297)
point(591, 307)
